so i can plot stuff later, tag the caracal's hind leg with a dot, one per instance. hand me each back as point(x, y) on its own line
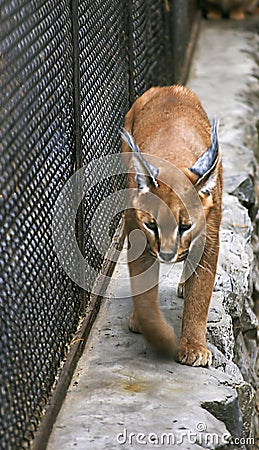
point(180, 290)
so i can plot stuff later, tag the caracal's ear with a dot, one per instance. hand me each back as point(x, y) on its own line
point(146, 173)
point(204, 171)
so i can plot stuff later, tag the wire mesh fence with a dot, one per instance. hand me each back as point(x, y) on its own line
point(69, 72)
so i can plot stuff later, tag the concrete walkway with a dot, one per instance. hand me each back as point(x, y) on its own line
point(122, 395)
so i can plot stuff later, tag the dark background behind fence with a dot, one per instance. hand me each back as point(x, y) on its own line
point(69, 72)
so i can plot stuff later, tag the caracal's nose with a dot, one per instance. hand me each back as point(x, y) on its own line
point(166, 256)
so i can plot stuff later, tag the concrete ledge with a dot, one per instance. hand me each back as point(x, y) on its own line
point(122, 395)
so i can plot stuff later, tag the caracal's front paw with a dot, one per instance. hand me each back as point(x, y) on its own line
point(194, 355)
point(237, 14)
point(214, 14)
point(133, 324)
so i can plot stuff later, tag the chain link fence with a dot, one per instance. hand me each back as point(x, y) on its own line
point(69, 72)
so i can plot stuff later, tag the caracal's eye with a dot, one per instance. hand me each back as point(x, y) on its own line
point(184, 227)
point(152, 226)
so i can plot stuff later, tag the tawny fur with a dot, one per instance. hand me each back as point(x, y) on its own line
point(169, 122)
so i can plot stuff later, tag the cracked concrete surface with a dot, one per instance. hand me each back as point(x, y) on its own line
point(122, 394)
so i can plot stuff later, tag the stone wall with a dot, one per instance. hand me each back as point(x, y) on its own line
point(232, 92)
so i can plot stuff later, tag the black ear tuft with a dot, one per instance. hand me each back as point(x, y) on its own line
point(146, 173)
point(206, 163)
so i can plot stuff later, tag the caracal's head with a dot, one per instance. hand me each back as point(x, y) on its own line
point(171, 204)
